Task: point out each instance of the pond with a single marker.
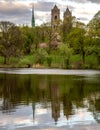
(46, 98)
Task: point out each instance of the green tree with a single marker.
(29, 38)
(94, 33)
(96, 48)
(78, 40)
(65, 53)
(94, 25)
(37, 37)
(40, 56)
(10, 40)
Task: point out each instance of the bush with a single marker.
(49, 60)
(40, 56)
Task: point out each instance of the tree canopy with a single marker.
(10, 40)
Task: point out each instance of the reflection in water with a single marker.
(73, 97)
(55, 101)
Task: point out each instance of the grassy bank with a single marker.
(56, 62)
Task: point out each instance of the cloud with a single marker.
(14, 12)
(95, 1)
(85, 1)
(13, 9)
(20, 11)
(83, 18)
(43, 6)
(78, 1)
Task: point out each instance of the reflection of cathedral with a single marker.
(55, 102)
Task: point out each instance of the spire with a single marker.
(33, 19)
(67, 12)
(55, 6)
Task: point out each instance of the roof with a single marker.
(55, 8)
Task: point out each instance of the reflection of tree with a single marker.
(77, 92)
(67, 106)
(94, 105)
(7, 94)
(14, 91)
(96, 112)
(97, 105)
(70, 90)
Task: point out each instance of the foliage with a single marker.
(96, 48)
(49, 60)
(10, 40)
(65, 53)
(78, 40)
(40, 56)
(94, 25)
(28, 36)
(94, 33)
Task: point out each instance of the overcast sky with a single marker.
(20, 11)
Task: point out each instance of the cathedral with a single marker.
(55, 17)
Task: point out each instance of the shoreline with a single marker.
(49, 71)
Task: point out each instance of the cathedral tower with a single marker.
(67, 13)
(55, 17)
(67, 23)
(67, 20)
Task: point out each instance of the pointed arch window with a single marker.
(56, 17)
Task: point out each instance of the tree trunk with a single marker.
(83, 57)
(5, 60)
(98, 59)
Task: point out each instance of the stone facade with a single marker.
(55, 17)
(67, 21)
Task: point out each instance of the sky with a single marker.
(20, 11)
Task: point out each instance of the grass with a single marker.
(57, 62)
(1, 60)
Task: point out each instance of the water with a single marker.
(48, 98)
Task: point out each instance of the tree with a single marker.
(65, 53)
(40, 56)
(29, 38)
(49, 35)
(10, 40)
(94, 33)
(96, 48)
(94, 25)
(78, 40)
(37, 38)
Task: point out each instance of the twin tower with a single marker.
(55, 17)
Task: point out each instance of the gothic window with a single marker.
(55, 17)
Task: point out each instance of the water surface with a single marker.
(61, 98)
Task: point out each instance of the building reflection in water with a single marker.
(55, 102)
(67, 106)
(33, 108)
(15, 89)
